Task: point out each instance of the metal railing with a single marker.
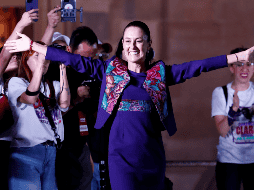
(189, 163)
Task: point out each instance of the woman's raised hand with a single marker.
(53, 17)
(21, 44)
(28, 17)
(42, 63)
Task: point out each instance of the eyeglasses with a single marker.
(239, 64)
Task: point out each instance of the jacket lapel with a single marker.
(117, 78)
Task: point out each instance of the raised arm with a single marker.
(92, 67)
(53, 20)
(35, 82)
(95, 68)
(26, 20)
(179, 73)
(65, 96)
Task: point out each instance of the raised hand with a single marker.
(53, 17)
(42, 63)
(41, 59)
(53, 20)
(27, 17)
(21, 44)
(62, 66)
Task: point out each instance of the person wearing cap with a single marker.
(60, 39)
(76, 171)
(85, 100)
(85, 96)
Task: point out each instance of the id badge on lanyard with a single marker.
(83, 128)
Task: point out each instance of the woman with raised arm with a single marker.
(8, 68)
(9, 62)
(232, 110)
(34, 139)
(134, 102)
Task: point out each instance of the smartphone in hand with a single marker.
(32, 4)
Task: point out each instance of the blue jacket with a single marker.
(114, 76)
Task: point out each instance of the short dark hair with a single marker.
(82, 34)
(237, 50)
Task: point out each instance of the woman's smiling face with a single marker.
(135, 45)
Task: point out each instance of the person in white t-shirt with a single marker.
(34, 139)
(234, 121)
(8, 68)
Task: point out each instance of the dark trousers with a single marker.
(230, 176)
(4, 164)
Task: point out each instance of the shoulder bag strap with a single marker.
(225, 90)
(49, 116)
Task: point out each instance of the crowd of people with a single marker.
(108, 113)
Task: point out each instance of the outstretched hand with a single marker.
(251, 54)
(21, 44)
(28, 17)
(246, 56)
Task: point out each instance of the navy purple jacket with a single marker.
(159, 77)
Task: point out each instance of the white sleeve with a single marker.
(218, 102)
(16, 87)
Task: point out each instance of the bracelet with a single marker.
(31, 45)
(28, 93)
(236, 57)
